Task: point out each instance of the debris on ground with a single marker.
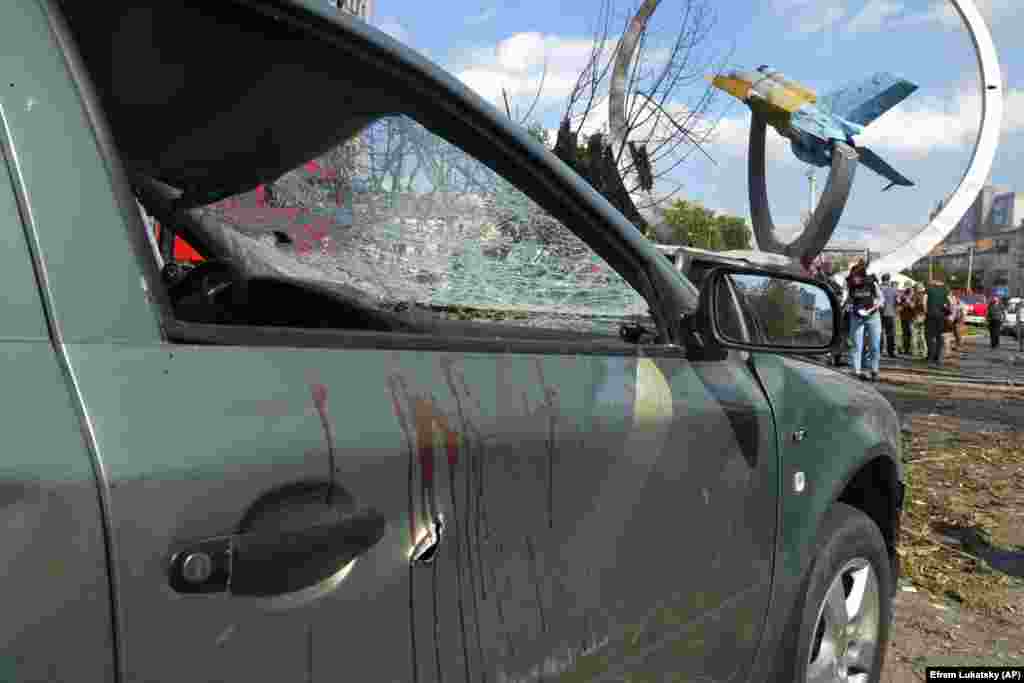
(961, 597)
(963, 523)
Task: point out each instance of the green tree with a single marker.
(692, 225)
(779, 308)
(958, 279)
(841, 264)
(924, 272)
(734, 232)
(695, 226)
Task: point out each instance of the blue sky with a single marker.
(821, 43)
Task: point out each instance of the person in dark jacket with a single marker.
(865, 299)
(936, 309)
(889, 295)
(905, 309)
(996, 316)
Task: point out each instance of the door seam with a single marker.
(13, 168)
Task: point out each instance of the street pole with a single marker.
(810, 203)
(970, 268)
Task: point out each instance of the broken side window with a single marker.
(416, 225)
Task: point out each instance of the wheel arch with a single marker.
(876, 488)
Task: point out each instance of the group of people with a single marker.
(871, 308)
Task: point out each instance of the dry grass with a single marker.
(969, 481)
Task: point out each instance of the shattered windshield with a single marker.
(411, 220)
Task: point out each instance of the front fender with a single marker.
(849, 445)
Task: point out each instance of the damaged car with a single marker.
(472, 427)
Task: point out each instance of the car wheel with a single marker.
(847, 606)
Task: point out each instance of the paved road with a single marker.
(976, 362)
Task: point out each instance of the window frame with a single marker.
(156, 201)
(539, 181)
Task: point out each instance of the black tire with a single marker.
(851, 550)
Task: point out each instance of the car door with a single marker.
(52, 556)
(286, 505)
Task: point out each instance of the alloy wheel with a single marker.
(848, 627)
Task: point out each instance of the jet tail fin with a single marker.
(879, 166)
(862, 103)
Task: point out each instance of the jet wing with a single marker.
(879, 166)
(863, 102)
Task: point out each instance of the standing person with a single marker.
(905, 308)
(889, 315)
(936, 310)
(1020, 326)
(956, 318)
(920, 308)
(996, 316)
(865, 298)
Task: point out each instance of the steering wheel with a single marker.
(205, 282)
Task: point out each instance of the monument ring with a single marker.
(921, 244)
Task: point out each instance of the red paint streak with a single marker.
(453, 448)
(320, 397)
(425, 439)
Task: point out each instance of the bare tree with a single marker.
(654, 115)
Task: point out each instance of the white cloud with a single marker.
(732, 135)
(520, 62)
(915, 128)
(874, 16)
(521, 52)
(943, 13)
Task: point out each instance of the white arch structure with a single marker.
(985, 146)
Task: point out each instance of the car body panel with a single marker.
(569, 478)
(1013, 310)
(56, 600)
(844, 421)
(841, 418)
(53, 142)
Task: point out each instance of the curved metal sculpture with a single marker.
(826, 215)
(981, 159)
(792, 109)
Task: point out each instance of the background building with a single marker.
(988, 242)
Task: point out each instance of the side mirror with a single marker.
(760, 310)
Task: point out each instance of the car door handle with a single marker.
(275, 562)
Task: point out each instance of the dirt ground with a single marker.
(961, 596)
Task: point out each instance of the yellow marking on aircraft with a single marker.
(738, 88)
(786, 99)
(782, 93)
(799, 90)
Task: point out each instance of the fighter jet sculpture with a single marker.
(811, 123)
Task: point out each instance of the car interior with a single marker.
(186, 135)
